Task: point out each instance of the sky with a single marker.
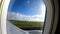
(28, 8)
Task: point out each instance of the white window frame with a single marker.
(50, 17)
(3, 15)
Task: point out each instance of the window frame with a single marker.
(50, 19)
(3, 14)
(53, 9)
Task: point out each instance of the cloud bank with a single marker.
(21, 17)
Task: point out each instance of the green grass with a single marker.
(26, 24)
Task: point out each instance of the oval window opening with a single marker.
(27, 16)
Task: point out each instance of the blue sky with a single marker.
(26, 7)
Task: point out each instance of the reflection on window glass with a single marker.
(26, 15)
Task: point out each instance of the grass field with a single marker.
(26, 24)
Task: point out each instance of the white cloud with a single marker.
(18, 16)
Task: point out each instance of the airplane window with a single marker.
(26, 16)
